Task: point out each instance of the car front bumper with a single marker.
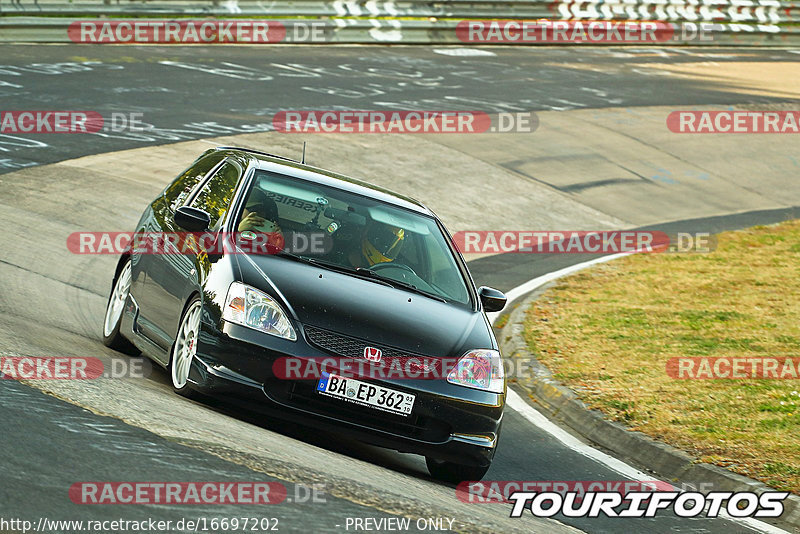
(448, 422)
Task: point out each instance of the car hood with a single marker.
(368, 310)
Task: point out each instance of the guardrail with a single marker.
(735, 11)
(414, 21)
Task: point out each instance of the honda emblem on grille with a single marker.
(372, 354)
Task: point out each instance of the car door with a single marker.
(154, 223)
(174, 274)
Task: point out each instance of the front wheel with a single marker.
(185, 348)
(452, 472)
(116, 305)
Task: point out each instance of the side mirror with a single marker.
(492, 299)
(192, 219)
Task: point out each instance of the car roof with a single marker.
(294, 168)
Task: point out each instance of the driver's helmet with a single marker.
(262, 205)
(382, 243)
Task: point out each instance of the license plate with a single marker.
(365, 394)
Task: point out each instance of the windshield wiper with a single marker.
(335, 267)
(397, 283)
(361, 272)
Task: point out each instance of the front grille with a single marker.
(351, 347)
(302, 393)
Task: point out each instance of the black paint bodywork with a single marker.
(233, 362)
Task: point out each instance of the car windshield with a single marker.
(353, 233)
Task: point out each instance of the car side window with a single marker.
(178, 192)
(215, 196)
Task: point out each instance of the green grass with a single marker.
(609, 331)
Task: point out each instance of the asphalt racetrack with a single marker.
(52, 302)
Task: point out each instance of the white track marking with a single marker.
(463, 52)
(540, 421)
(530, 285)
(535, 417)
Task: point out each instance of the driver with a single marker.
(380, 243)
(260, 214)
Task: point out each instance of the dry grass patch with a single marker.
(609, 331)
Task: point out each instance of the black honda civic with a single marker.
(315, 297)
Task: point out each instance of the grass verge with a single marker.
(608, 333)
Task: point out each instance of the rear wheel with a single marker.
(452, 472)
(185, 348)
(116, 305)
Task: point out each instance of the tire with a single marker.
(115, 307)
(185, 348)
(452, 472)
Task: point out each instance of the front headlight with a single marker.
(479, 369)
(250, 307)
